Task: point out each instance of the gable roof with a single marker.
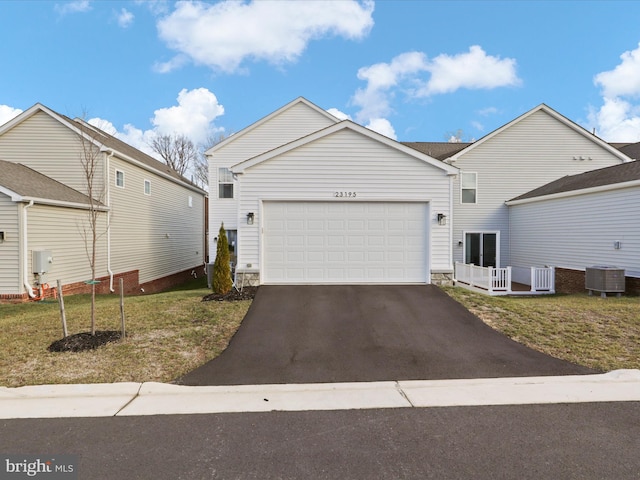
(22, 183)
(616, 176)
(439, 150)
(560, 118)
(105, 142)
(343, 125)
(244, 131)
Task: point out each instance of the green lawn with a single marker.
(592, 331)
(168, 334)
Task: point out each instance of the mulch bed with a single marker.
(84, 341)
(247, 293)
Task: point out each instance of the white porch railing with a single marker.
(498, 281)
(543, 279)
(489, 278)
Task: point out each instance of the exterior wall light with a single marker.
(250, 216)
(442, 219)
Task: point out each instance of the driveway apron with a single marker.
(364, 333)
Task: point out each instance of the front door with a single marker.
(481, 249)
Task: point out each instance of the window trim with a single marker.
(220, 182)
(147, 183)
(475, 188)
(116, 178)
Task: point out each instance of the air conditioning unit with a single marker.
(605, 280)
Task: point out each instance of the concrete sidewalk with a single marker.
(133, 399)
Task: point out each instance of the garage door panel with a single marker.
(345, 242)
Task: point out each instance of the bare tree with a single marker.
(90, 162)
(201, 164)
(177, 151)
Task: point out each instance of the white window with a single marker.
(468, 187)
(190, 201)
(119, 178)
(147, 187)
(225, 183)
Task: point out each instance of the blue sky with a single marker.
(413, 70)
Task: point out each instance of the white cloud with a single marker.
(485, 112)
(7, 113)
(125, 18)
(618, 119)
(472, 70)
(76, 6)
(339, 114)
(374, 99)
(416, 77)
(193, 117)
(383, 126)
(224, 35)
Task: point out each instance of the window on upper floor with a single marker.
(468, 187)
(147, 187)
(119, 178)
(225, 183)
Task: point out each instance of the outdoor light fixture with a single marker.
(442, 219)
(250, 216)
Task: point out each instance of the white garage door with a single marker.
(345, 242)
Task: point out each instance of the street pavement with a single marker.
(589, 441)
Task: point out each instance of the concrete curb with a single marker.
(133, 399)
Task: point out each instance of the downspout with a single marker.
(108, 180)
(25, 246)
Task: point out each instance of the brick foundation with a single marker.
(572, 281)
(131, 285)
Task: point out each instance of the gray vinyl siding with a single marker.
(345, 161)
(298, 121)
(527, 155)
(10, 248)
(67, 234)
(579, 231)
(157, 234)
(44, 144)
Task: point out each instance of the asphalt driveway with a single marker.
(363, 333)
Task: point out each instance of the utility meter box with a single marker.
(42, 260)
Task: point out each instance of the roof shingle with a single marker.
(31, 184)
(626, 172)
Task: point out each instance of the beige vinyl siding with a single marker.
(10, 248)
(579, 231)
(67, 234)
(289, 125)
(44, 144)
(527, 155)
(157, 234)
(345, 161)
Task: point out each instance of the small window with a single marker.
(190, 201)
(468, 187)
(225, 183)
(119, 178)
(147, 187)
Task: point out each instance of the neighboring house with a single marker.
(317, 200)
(532, 150)
(291, 185)
(581, 221)
(151, 220)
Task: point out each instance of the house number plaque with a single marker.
(344, 194)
